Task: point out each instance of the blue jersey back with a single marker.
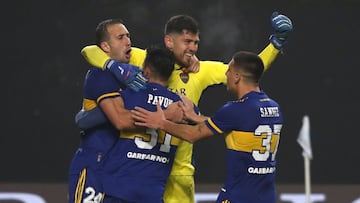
(99, 85)
(252, 128)
(142, 157)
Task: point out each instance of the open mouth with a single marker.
(128, 53)
(188, 54)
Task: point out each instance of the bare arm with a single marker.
(174, 112)
(188, 108)
(157, 120)
(117, 114)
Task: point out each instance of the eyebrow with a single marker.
(123, 34)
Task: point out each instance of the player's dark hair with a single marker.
(101, 32)
(250, 64)
(179, 23)
(161, 62)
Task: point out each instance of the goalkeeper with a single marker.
(182, 38)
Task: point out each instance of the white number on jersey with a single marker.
(266, 142)
(165, 147)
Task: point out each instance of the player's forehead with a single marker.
(185, 34)
(117, 29)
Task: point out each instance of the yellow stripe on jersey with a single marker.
(89, 104)
(248, 141)
(212, 124)
(80, 187)
(146, 137)
(112, 94)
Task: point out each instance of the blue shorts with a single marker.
(88, 187)
(83, 181)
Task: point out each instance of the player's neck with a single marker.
(246, 89)
(157, 81)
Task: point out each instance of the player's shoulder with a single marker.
(264, 98)
(213, 67)
(137, 56)
(209, 64)
(96, 77)
(164, 91)
(175, 96)
(97, 72)
(240, 106)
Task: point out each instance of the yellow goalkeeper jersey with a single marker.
(191, 85)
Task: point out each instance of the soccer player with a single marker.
(102, 89)
(137, 167)
(182, 38)
(251, 126)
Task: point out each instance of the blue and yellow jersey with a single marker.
(98, 85)
(96, 142)
(192, 85)
(141, 160)
(252, 128)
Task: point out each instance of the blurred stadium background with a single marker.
(316, 75)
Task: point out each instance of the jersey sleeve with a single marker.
(224, 119)
(99, 85)
(95, 56)
(268, 55)
(212, 73)
(89, 119)
(137, 56)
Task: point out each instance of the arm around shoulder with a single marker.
(117, 114)
(95, 56)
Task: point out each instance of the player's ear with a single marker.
(237, 77)
(146, 72)
(105, 46)
(168, 40)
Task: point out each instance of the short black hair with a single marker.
(101, 31)
(250, 64)
(179, 23)
(160, 60)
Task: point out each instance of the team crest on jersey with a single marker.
(184, 77)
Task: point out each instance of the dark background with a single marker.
(317, 76)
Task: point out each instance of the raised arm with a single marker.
(282, 26)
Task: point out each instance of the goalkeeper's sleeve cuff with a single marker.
(277, 42)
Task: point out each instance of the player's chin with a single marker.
(186, 62)
(126, 60)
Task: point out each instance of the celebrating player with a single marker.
(251, 126)
(182, 38)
